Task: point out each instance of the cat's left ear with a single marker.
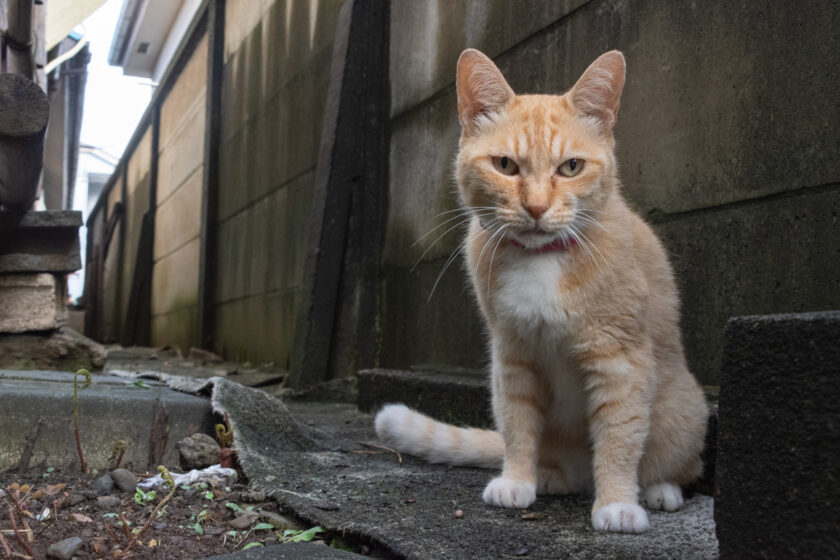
(598, 92)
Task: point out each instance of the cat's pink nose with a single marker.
(536, 210)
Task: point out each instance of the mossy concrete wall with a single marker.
(727, 144)
(276, 73)
(175, 274)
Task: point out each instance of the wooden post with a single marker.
(24, 113)
(19, 38)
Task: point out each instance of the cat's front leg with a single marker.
(619, 419)
(520, 407)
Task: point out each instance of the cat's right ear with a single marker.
(481, 88)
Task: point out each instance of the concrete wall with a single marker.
(726, 139)
(276, 72)
(178, 220)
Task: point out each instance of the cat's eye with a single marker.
(505, 165)
(571, 167)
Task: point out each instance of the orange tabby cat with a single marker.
(589, 379)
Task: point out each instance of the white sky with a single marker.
(113, 103)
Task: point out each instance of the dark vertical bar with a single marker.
(337, 318)
(210, 186)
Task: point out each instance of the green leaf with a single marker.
(263, 527)
(139, 384)
(50, 469)
(234, 507)
(202, 486)
(308, 535)
(198, 528)
(109, 515)
(209, 495)
(252, 545)
(184, 487)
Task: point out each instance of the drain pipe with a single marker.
(19, 37)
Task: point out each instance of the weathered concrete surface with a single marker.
(32, 302)
(290, 551)
(109, 410)
(774, 255)
(62, 350)
(276, 73)
(777, 490)
(408, 507)
(45, 241)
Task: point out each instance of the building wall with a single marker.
(726, 143)
(112, 312)
(178, 220)
(276, 73)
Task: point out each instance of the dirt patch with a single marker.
(197, 521)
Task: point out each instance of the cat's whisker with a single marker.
(586, 244)
(441, 236)
(452, 256)
(486, 244)
(464, 214)
(585, 214)
(490, 268)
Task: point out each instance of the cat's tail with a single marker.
(411, 432)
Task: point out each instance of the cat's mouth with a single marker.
(540, 241)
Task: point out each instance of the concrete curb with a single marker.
(150, 417)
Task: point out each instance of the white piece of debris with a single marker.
(213, 475)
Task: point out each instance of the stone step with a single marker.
(40, 241)
(779, 437)
(110, 409)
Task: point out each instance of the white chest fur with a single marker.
(527, 295)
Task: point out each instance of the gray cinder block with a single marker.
(777, 477)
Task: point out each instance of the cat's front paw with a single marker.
(621, 517)
(506, 492)
(664, 495)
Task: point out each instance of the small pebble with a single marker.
(103, 485)
(34, 505)
(214, 530)
(253, 497)
(244, 520)
(531, 516)
(459, 514)
(161, 525)
(124, 480)
(522, 551)
(64, 550)
(198, 451)
(107, 502)
(75, 499)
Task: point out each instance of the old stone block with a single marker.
(778, 255)
(62, 350)
(32, 302)
(456, 398)
(778, 436)
(46, 241)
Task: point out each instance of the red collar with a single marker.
(558, 244)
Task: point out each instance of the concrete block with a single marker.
(62, 350)
(46, 241)
(182, 156)
(32, 302)
(779, 254)
(457, 398)
(178, 218)
(258, 329)
(178, 328)
(175, 279)
(422, 186)
(185, 96)
(778, 434)
(428, 37)
(444, 329)
(112, 408)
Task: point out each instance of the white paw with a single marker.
(664, 495)
(621, 517)
(506, 492)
